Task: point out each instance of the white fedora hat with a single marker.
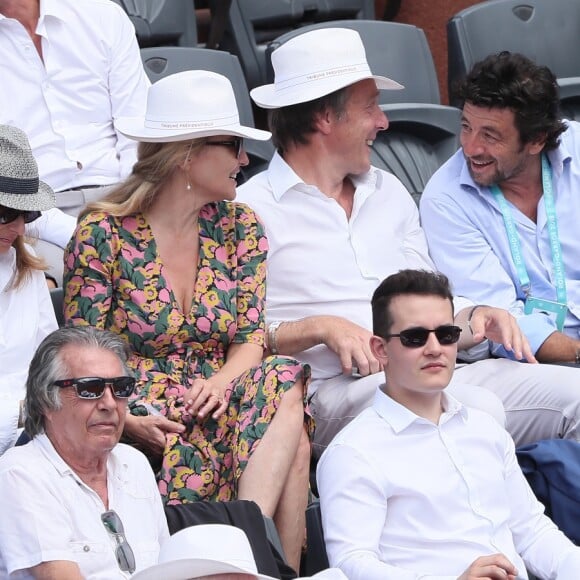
(315, 64)
(201, 551)
(186, 105)
(20, 187)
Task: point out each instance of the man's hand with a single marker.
(501, 327)
(494, 567)
(351, 343)
(149, 432)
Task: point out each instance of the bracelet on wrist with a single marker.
(271, 342)
(577, 358)
(470, 316)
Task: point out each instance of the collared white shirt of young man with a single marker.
(436, 484)
(56, 491)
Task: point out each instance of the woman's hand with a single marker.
(204, 397)
(150, 432)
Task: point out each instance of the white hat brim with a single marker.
(134, 128)
(268, 97)
(191, 568)
(42, 200)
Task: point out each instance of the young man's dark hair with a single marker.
(512, 81)
(421, 282)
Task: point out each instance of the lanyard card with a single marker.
(555, 310)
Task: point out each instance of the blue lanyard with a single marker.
(552, 222)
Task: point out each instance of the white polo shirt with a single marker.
(49, 514)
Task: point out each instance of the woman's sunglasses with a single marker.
(94, 387)
(418, 337)
(236, 143)
(8, 215)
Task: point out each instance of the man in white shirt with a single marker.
(419, 486)
(69, 69)
(75, 503)
(338, 226)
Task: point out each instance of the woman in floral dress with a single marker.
(170, 263)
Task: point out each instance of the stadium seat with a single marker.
(161, 61)
(252, 24)
(162, 22)
(548, 32)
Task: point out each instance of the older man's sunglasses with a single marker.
(236, 143)
(123, 551)
(417, 337)
(9, 215)
(94, 387)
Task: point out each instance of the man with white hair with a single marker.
(337, 226)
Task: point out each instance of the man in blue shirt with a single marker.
(501, 216)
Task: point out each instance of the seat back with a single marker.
(420, 138)
(252, 24)
(315, 559)
(160, 61)
(397, 51)
(546, 31)
(57, 297)
(162, 22)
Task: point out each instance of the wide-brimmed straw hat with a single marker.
(186, 105)
(201, 551)
(315, 64)
(20, 187)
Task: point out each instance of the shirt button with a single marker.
(79, 165)
(87, 548)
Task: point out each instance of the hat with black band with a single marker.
(20, 186)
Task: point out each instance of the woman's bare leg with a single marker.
(276, 476)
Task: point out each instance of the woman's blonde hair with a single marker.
(155, 163)
(25, 264)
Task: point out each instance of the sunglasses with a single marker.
(418, 337)
(123, 552)
(9, 215)
(94, 387)
(236, 143)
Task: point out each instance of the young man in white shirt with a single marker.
(419, 486)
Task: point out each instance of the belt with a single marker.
(80, 187)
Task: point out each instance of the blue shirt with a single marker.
(468, 240)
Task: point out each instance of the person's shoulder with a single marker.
(90, 8)
(256, 191)
(25, 459)
(361, 433)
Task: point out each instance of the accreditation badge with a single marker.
(555, 310)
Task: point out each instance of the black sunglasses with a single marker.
(418, 337)
(94, 387)
(123, 551)
(236, 143)
(8, 215)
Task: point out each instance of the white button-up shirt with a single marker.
(469, 243)
(49, 514)
(26, 318)
(320, 262)
(405, 499)
(90, 73)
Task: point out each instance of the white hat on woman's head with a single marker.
(201, 551)
(20, 187)
(187, 105)
(315, 64)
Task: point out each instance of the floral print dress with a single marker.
(114, 279)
